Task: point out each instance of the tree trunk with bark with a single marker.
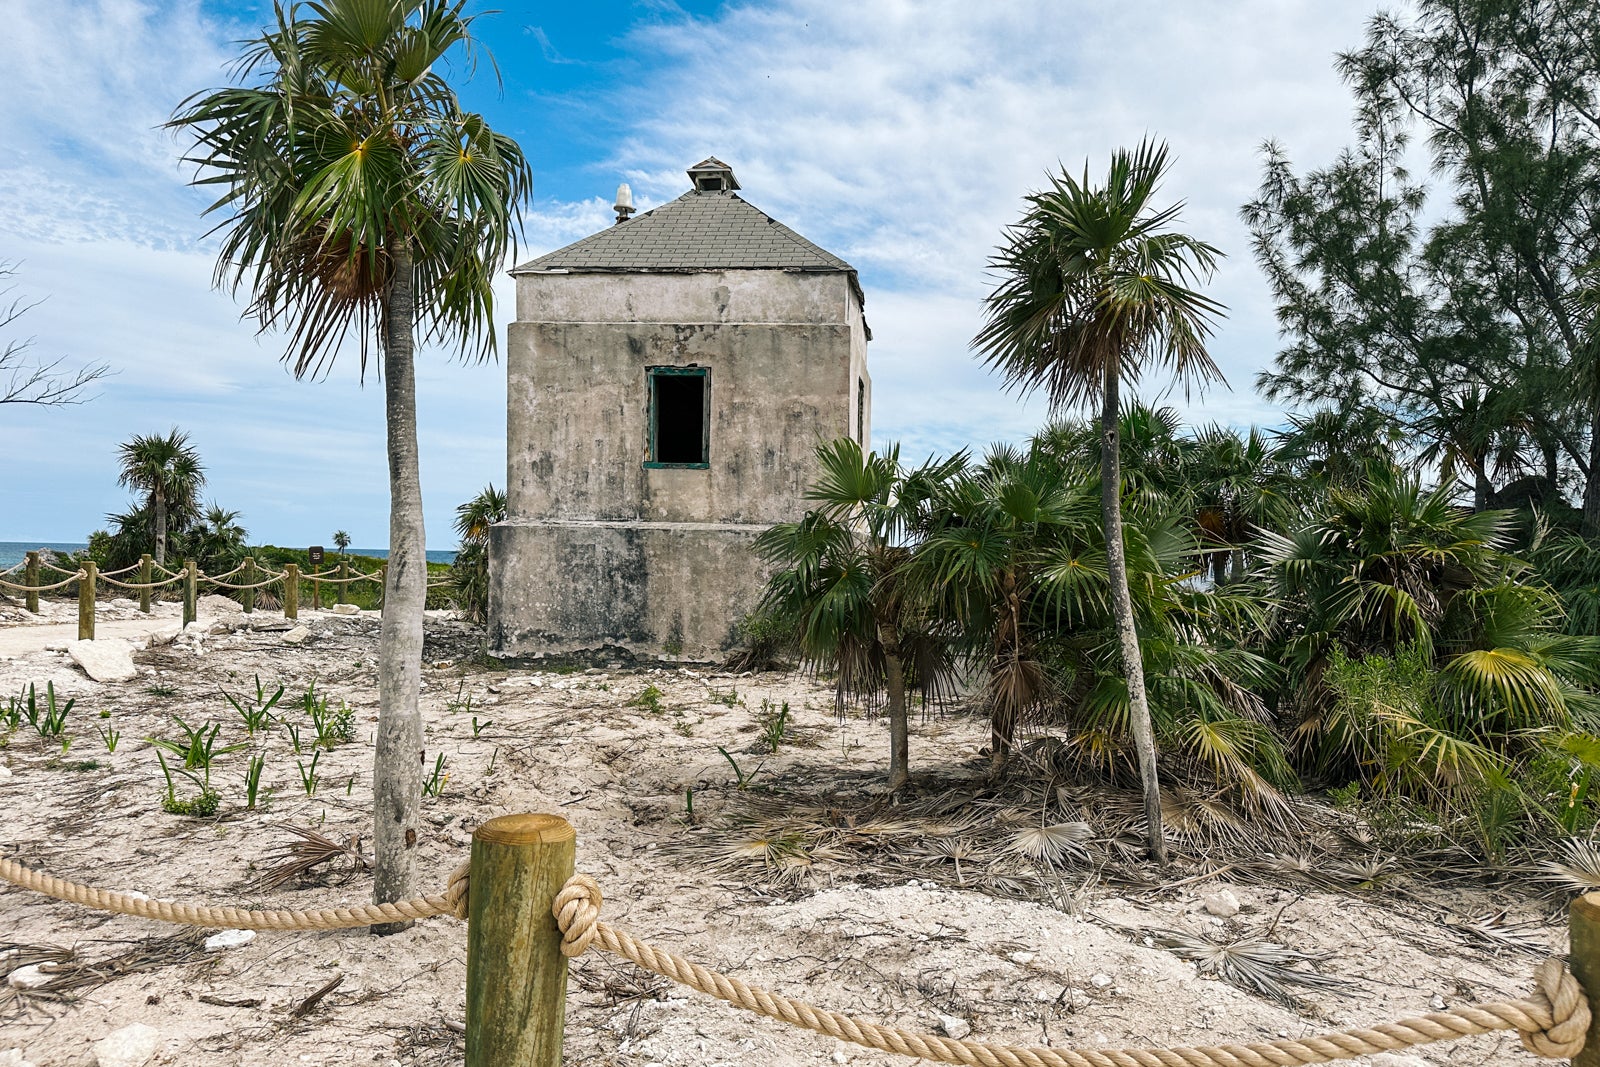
(1591, 487)
(161, 524)
(397, 765)
(899, 729)
(1122, 613)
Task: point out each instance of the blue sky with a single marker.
(899, 134)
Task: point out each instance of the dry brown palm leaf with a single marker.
(293, 859)
(1053, 844)
(1495, 931)
(1574, 869)
(1262, 967)
(1369, 872)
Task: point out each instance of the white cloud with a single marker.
(903, 136)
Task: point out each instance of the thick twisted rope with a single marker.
(59, 570)
(1553, 1022)
(141, 585)
(45, 588)
(274, 580)
(453, 901)
(14, 568)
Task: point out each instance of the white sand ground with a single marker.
(898, 950)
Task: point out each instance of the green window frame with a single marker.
(671, 393)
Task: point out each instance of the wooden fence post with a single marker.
(145, 575)
(31, 579)
(383, 581)
(86, 602)
(1584, 958)
(516, 974)
(344, 580)
(191, 591)
(247, 598)
(291, 591)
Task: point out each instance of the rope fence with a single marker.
(522, 866)
(88, 576)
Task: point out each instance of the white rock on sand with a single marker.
(29, 977)
(13, 1058)
(106, 660)
(295, 636)
(229, 939)
(131, 1046)
(1221, 903)
(345, 609)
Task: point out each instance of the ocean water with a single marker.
(16, 551)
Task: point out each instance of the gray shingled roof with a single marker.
(698, 231)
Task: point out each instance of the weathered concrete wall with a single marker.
(600, 550)
(654, 589)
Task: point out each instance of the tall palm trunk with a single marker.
(1591, 488)
(899, 730)
(161, 523)
(1122, 612)
(397, 766)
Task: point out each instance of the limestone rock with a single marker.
(29, 977)
(345, 609)
(295, 636)
(1221, 903)
(1100, 981)
(131, 1046)
(5, 772)
(108, 660)
(13, 1058)
(221, 626)
(164, 636)
(217, 604)
(229, 939)
(954, 1027)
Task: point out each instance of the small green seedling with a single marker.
(294, 736)
(199, 744)
(649, 699)
(50, 719)
(462, 701)
(774, 723)
(202, 805)
(308, 775)
(253, 795)
(478, 728)
(434, 786)
(110, 737)
(257, 712)
(334, 727)
(740, 778)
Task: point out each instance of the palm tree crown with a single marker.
(168, 469)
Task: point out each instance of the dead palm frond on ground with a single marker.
(1257, 966)
(308, 851)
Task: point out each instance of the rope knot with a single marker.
(577, 912)
(457, 888)
(1568, 1011)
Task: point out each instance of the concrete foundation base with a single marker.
(655, 590)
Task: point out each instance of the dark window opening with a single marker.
(679, 416)
(861, 412)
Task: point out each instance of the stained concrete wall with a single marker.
(600, 550)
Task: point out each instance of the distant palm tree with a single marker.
(1095, 289)
(341, 541)
(469, 574)
(167, 469)
(360, 199)
(220, 537)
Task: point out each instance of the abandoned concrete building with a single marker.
(668, 380)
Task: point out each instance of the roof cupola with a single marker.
(712, 175)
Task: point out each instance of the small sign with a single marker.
(314, 555)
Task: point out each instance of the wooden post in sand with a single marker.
(1584, 922)
(291, 590)
(516, 974)
(191, 591)
(86, 601)
(247, 598)
(344, 580)
(31, 580)
(146, 573)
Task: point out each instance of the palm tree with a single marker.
(1095, 289)
(168, 470)
(361, 200)
(341, 541)
(841, 582)
(220, 537)
(470, 571)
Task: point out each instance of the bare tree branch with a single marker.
(27, 381)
